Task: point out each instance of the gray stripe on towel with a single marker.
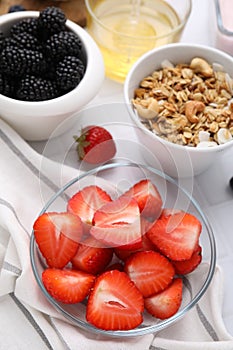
(207, 324)
(31, 320)
(12, 268)
(208, 327)
(59, 334)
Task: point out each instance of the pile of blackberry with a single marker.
(40, 59)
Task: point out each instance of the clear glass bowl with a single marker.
(126, 29)
(224, 33)
(116, 178)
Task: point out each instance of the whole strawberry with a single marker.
(95, 145)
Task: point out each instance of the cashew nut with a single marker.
(191, 108)
(150, 112)
(203, 136)
(223, 135)
(154, 106)
(201, 66)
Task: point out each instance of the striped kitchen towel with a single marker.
(27, 181)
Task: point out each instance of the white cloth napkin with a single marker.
(27, 180)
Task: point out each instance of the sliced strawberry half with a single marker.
(117, 223)
(91, 256)
(165, 304)
(67, 286)
(147, 197)
(176, 235)
(58, 236)
(150, 271)
(115, 303)
(85, 202)
(187, 266)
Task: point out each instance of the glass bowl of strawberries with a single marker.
(122, 250)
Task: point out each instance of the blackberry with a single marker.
(18, 62)
(61, 44)
(50, 69)
(32, 88)
(69, 72)
(50, 21)
(16, 8)
(23, 40)
(6, 85)
(28, 25)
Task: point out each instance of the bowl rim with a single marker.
(220, 23)
(135, 118)
(155, 37)
(137, 331)
(93, 55)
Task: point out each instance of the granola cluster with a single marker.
(187, 104)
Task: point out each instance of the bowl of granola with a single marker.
(179, 97)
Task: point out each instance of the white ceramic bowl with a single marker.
(38, 120)
(175, 160)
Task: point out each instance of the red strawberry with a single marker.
(166, 303)
(85, 202)
(186, 266)
(91, 256)
(68, 286)
(150, 271)
(117, 223)
(148, 198)
(115, 303)
(176, 235)
(58, 236)
(95, 145)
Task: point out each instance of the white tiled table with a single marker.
(211, 188)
